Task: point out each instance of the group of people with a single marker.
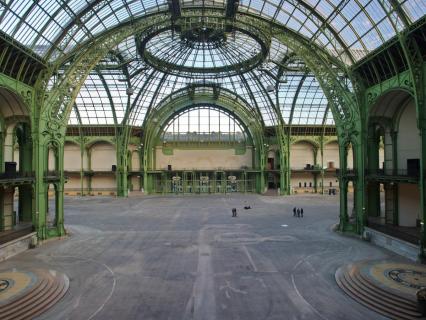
(298, 212)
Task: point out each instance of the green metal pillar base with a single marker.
(343, 186)
(42, 232)
(315, 183)
(25, 207)
(423, 188)
(122, 193)
(373, 199)
(60, 208)
(122, 187)
(1, 209)
(373, 187)
(147, 183)
(284, 183)
(25, 203)
(58, 231)
(345, 226)
(260, 182)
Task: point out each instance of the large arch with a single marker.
(180, 101)
(394, 197)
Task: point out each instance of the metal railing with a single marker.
(52, 173)
(89, 189)
(382, 173)
(347, 172)
(306, 168)
(393, 173)
(199, 186)
(16, 175)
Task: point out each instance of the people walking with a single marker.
(301, 212)
(294, 211)
(298, 212)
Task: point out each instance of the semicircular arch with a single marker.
(389, 106)
(175, 104)
(13, 107)
(98, 140)
(158, 118)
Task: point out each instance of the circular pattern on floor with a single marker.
(4, 284)
(26, 294)
(403, 278)
(15, 283)
(409, 278)
(388, 287)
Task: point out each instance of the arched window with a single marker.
(204, 124)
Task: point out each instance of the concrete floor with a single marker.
(156, 258)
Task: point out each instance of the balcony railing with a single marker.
(17, 175)
(383, 174)
(347, 172)
(51, 173)
(413, 174)
(306, 168)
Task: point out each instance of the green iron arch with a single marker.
(178, 102)
(408, 95)
(245, 128)
(59, 102)
(311, 142)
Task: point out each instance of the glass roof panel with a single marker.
(329, 118)
(41, 25)
(287, 95)
(199, 3)
(73, 118)
(310, 105)
(415, 9)
(97, 104)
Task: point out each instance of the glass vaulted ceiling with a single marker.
(104, 98)
(349, 29)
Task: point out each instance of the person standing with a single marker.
(301, 212)
(294, 211)
(234, 212)
(298, 212)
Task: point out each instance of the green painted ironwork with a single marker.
(51, 99)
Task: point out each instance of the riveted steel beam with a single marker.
(231, 8)
(174, 8)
